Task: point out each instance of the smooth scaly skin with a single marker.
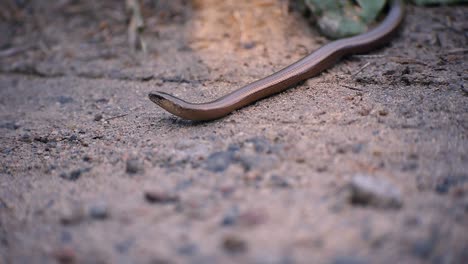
(305, 68)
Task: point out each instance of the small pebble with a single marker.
(278, 181)
(41, 139)
(230, 217)
(98, 117)
(11, 125)
(26, 138)
(124, 246)
(423, 248)
(161, 197)
(366, 190)
(74, 174)
(348, 260)
(252, 218)
(249, 45)
(99, 211)
(261, 145)
(87, 158)
(66, 237)
(160, 260)
(72, 215)
(188, 249)
(134, 166)
(234, 244)
(65, 255)
(219, 161)
(64, 99)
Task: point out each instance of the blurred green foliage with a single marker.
(344, 18)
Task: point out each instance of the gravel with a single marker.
(371, 191)
(134, 166)
(161, 197)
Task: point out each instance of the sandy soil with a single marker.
(366, 163)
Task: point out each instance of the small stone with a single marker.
(261, 145)
(99, 211)
(252, 218)
(65, 255)
(423, 248)
(219, 161)
(11, 125)
(72, 215)
(249, 45)
(74, 174)
(41, 139)
(383, 112)
(64, 99)
(98, 117)
(26, 138)
(278, 181)
(124, 246)
(134, 166)
(348, 260)
(72, 137)
(227, 190)
(366, 190)
(230, 217)
(66, 237)
(7, 31)
(234, 244)
(160, 260)
(188, 249)
(464, 88)
(444, 185)
(161, 197)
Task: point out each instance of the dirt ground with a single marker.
(366, 163)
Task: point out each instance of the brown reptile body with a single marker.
(303, 69)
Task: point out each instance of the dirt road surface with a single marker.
(366, 163)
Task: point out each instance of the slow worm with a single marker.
(303, 69)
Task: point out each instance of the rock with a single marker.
(87, 158)
(219, 161)
(348, 260)
(369, 191)
(261, 145)
(64, 99)
(124, 246)
(72, 215)
(234, 244)
(160, 197)
(278, 181)
(249, 45)
(160, 260)
(423, 248)
(65, 255)
(445, 184)
(42, 139)
(98, 117)
(188, 249)
(252, 218)
(134, 166)
(99, 211)
(11, 125)
(26, 138)
(66, 237)
(74, 174)
(227, 190)
(73, 137)
(7, 32)
(230, 217)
